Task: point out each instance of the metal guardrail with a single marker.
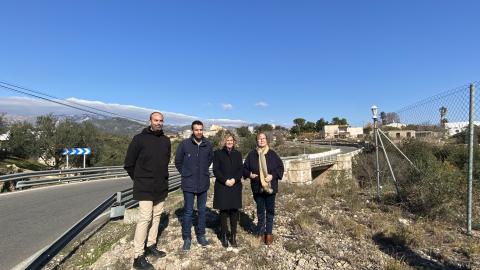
(38, 178)
(27, 175)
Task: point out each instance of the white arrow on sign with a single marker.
(77, 151)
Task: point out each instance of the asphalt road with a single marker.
(33, 219)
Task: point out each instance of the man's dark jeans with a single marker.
(188, 199)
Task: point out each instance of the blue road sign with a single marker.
(76, 151)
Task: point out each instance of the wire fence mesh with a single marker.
(424, 156)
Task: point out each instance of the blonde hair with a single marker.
(227, 135)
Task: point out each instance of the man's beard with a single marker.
(197, 139)
(156, 128)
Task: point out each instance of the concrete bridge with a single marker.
(319, 167)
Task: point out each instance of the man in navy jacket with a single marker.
(193, 159)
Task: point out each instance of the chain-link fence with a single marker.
(425, 159)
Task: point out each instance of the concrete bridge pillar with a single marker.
(341, 168)
(299, 172)
(343, 164)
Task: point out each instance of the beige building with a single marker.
(340, 132)
(400, 134)
(214, 129)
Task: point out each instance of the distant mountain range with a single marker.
(113, 125)
(27, 109)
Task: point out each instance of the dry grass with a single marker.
(396, 265)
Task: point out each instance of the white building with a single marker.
(454, 128)
(395, 125)
(186, 133)
(4, 137)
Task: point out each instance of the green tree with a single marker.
(383, 118)
(22, 141)
(89, 138)
(67, 135)
(388, 118)
(320, 124)
(46, 143)
(309, 127)
(243, 131)
(3, 124)
(263, 128)
(111, 150)
(299, 124)
(339, 121)
(246, 144)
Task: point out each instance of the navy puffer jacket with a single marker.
(193, 161)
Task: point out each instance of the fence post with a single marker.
(375, 133)
(471, 128)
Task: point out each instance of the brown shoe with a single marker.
(268, 239)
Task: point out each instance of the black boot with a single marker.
(224, 240)
(233, 240)
(152, 250)
(141, 263)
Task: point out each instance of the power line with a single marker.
(69, 101)
(59, 101)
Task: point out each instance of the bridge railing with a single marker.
(323, 160)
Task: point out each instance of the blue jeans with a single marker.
(188, 200)
(265, 209)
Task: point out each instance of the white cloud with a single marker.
(30, 107)
(261, 104)
(227, 106)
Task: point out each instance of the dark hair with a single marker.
(155, 113)
(196, 122)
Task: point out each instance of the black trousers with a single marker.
(233, 215)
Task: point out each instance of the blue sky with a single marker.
(306, 59)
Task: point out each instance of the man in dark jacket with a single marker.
(146, 162)
(193, 159)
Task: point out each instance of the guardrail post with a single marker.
(119, 197)
(117, 210)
